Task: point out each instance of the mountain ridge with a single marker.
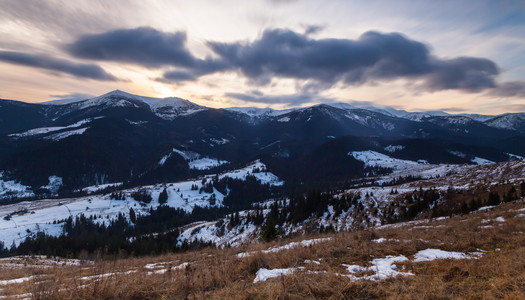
(175, 102)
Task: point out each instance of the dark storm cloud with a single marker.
(464, 73)
(60, 65)
(373, 56)
(144, 46)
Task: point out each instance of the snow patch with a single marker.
(66, 134)
(137, 123)
(457, 153)
(514, 156)
(304, 243)
(433, 254)
(481, 161)
(44, 130)
(394, 148)
(379, 240)
(284, 119)
(95, 188)
(381, 267)
(264, 274)
(11, 188)
(206, 163)
(54, 184)
(486, 207)
(16, 280)
(220, 141)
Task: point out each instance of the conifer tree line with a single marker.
(157, 231)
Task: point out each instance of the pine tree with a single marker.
(511, 195)
(163, 196)
(212, 199)
(493, 199)
(465, 208)
(132, 215)
(269, 232)
(237, 218)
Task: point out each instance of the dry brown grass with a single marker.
(219, 274)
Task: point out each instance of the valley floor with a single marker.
(480, 255)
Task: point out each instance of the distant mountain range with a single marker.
(120, 137)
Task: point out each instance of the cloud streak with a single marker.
(41, 61)
(509, 89)
(291, 100)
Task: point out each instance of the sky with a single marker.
(457, 56)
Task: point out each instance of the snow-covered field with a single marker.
(17, 221)
(403, 168)
(376, 159)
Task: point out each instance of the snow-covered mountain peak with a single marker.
(166, 108)
(114, 98)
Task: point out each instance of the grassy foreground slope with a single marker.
(380, 262)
